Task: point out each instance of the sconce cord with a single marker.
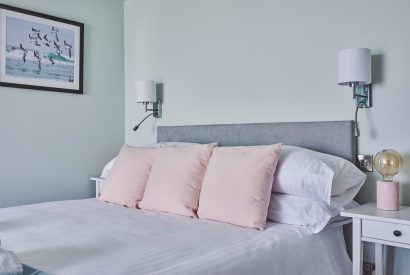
(356, 126)
(138, 125)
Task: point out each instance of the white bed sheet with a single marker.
(92, 237)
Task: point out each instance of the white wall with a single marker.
(236, 61)
(51, 143)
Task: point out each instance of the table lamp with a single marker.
(388, 163)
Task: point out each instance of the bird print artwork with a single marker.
(38, 39)
(40, 51)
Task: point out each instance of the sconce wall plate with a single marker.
(157, 109)
(363, 96)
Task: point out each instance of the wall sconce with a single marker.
(146, 93)
(354, 70)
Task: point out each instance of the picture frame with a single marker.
(40, 51)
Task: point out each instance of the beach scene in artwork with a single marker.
(39, 51)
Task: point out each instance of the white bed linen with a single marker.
(92, 237)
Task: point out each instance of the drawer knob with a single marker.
(397, 233)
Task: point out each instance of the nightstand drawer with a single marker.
(386, 231)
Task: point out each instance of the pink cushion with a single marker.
(176, 178)
(237, 185)
(126, 182)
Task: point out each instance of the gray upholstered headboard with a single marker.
(331, 137)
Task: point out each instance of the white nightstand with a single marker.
(99, 184)
(379, 227)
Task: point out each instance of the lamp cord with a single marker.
(356, 126)
(138, 125)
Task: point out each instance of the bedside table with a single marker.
(379, 227)
(99, 184)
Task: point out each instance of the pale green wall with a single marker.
(51, 143)
(236, 61)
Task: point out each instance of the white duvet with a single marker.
(92, 237)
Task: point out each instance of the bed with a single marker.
(92, 237)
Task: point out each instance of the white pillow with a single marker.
(302, 211)
(317, 176)
(107, 168)
(339, 220)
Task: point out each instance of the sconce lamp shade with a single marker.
(354, 67)
(145, 91)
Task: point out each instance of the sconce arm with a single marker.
(138, 125)
(356, 125)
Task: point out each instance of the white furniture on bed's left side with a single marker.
(99, 184)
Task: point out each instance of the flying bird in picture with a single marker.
(37, 56)
(22, 48)
(68, 46)
(11, 49)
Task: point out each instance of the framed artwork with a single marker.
(40, 52)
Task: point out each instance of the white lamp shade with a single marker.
(354, 66)
(145, 91)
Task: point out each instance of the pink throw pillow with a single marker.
(237, 185)
(126, 182)
(176, 179)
